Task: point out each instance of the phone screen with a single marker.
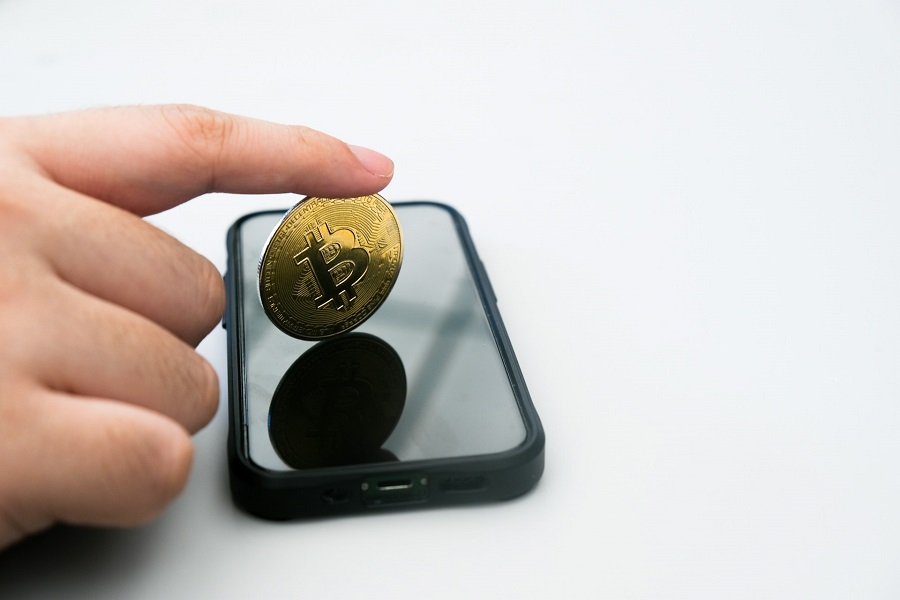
(421, 379)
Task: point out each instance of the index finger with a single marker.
(147, 159)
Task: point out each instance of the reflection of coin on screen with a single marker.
(329, 264)
(338, 403)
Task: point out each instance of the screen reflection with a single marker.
(338, 403)
(458, 397)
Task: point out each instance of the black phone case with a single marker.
(356, 488)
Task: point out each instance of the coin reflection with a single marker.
(338, 403)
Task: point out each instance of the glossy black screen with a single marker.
(421, 379)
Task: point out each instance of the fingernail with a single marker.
(375, 163)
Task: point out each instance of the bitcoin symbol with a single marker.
(329, 264)
(337, 262)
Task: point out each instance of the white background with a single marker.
(690, 216)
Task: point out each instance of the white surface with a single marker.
(689, 214)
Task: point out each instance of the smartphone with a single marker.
(423, 404)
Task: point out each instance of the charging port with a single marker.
(394, 484)
(395, 490)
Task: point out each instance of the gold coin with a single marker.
(329, 264)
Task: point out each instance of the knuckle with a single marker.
(202, 130)
(203, 297)
(189, 389)
(207, 398)
(164, 462)
(197, 394)
(199, 302)
(210, 299)
(19, 208)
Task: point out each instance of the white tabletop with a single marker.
(689, 212)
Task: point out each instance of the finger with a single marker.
(110, 352)
(117, 256)
(147, 159)
(93, 461)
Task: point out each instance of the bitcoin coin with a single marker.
(329, 264)
(338, 403)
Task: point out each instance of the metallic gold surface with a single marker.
(329, 264)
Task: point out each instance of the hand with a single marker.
(100, 386)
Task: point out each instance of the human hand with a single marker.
(100, 386)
